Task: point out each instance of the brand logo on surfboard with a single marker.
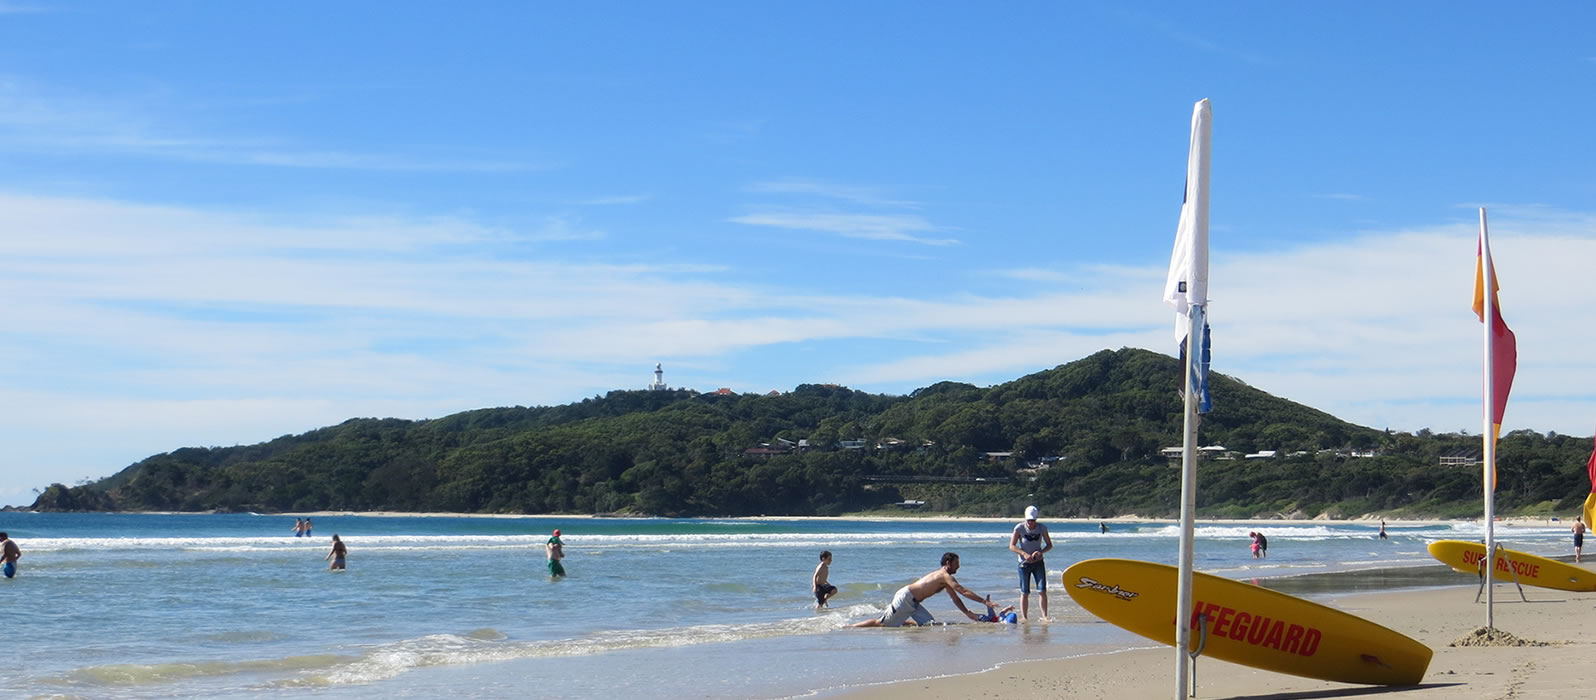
(1113, 590)
(1257, 630)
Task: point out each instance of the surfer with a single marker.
(555, 549)
(9, 553)
(906, 608)
(337, 555)
(1030, 540)
(1578, 528)
(822, 587)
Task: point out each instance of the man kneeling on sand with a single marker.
(905, 608)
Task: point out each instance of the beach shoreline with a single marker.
(1437, 616)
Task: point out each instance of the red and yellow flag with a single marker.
(1504, 347)
(1590, 501)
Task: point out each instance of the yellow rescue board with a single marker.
(1532, 570)
(1248, 625)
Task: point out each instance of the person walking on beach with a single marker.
(299, 527)
(555, 549)
(1578, 528)
(337, 555)
(1031, 540)
(906, 608)
(822, 587)
(9, 554)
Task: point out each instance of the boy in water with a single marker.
(823, 589)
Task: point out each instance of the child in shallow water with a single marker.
(994, 615)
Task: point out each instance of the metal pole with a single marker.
(1489, 437)
(1188, 507)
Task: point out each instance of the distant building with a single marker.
(659, 379)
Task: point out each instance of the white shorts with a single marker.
(904, 607)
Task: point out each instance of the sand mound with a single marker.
(1491, 637)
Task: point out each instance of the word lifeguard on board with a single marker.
(1522, 568)
(1257, 630)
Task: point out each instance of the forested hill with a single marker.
(1084, 437)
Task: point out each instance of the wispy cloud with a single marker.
(36, 120)
(870, 196)
(615, 200)
(876, 227)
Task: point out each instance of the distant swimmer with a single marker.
(9, 553)
(299, 527)
(1382, 530)
(906, 608)
(337, 555)
(1103, 528)
(307, 527)
(822, 588)
(555, 549)
(1031, 540)
(1260, 546)
(1578, 528)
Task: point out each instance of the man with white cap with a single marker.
(1030, 540)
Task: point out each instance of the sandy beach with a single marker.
(1436, 617)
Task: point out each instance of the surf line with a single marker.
(1522, 568)
(1257, 630)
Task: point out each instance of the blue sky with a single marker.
(221, 223)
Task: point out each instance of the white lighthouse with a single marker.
(659, 379)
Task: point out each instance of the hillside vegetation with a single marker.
(1084, 437)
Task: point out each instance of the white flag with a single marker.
(1187, 285)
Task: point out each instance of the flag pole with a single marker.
(1186, 290)
(1489, 434)
(1188, 508)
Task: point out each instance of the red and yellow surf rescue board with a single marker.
(1248, 625)
(1531, 570)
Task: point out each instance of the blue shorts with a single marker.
(1036, 571)
(10, 569)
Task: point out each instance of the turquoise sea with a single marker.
(139, 606)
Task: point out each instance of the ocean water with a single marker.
(144, 605)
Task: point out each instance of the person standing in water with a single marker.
(307, 527)
(9, 554)
(299, 527)
(337, 555)
(1031, 540)
(555, 549)
(1578, 528)
(822, 586)
(1382, 530)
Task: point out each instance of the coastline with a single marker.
(1436, 616)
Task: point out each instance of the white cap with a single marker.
(1030, 513)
